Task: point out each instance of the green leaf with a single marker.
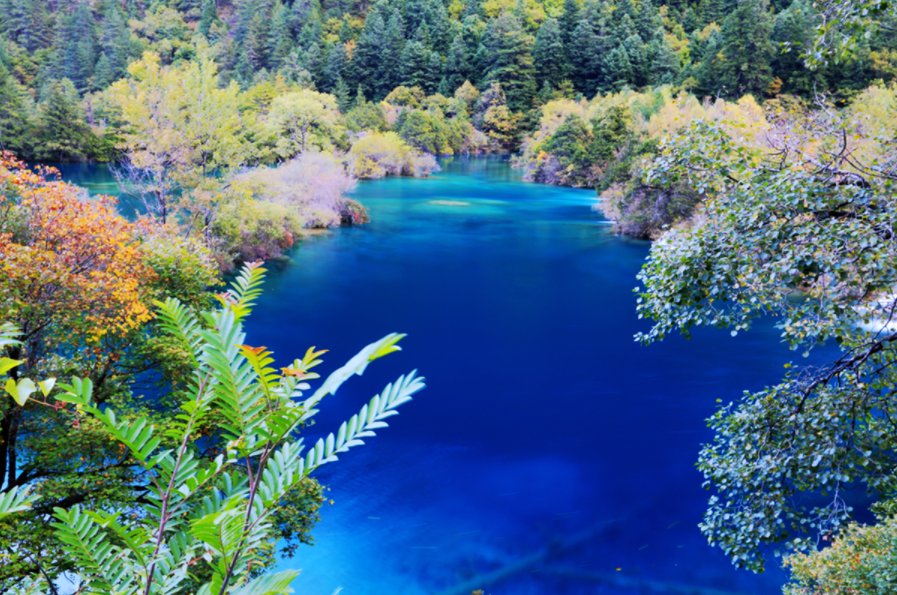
(16, 500)
(7, 364)
(269, 584)
(46, 386)
(22, 391)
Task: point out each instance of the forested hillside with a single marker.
(58, 56)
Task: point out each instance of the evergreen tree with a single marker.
(115, 41)
(791, 32)
(334, 67)
(62, 133)
(713, 11)
(738, 61)
(585, 62)
(549, 56)
(393, 45)
(568, 21)
(457, 66)
(75, 55)
(14, 117)
(618, 68)
(280, 40)
(663, 62)
(368, 53)
(256, 43)
(190, 8)
(413, 63)
(341, 92)
(208, 16)
(360, 100)
(637, 53)
(506, 58)
(25, 22)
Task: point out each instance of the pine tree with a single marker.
(414, 64)
(115, 41)
(341, 92)
(25, 22)
(569, 20)
(62, 134)
(713, 11)
(584, 60)
(742, 61)
(549, 56)
(208, 17)
(457, 66)
(256, 42)
(360, 100)
(506, 58)
(334, 67)
(15, 129)
(618, 67)
(663, 62)
(368, 51)
(792, 31)
(190, 8)
(280, 40)
(76, 55)
(393, 45)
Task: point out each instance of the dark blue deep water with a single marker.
(549, 453)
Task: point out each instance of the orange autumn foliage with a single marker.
(68, 264)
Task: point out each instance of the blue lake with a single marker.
(549, 453)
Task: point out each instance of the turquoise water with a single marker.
(549, 453)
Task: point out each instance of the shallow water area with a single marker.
(549, 453)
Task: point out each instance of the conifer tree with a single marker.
(549, 55)
(208, 17)
(369, 50)
(115, 44)
(457, 66)
(62, 133)
(585, 62)
(792, 32)
(341, 92)
(414, 63)
(393, 45)
(506, 58)
(333, 66)
(568, 21)
(280, 39)
(14, 117)
(25, 22)
(75, 55)
(738, 61)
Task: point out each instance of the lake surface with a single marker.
(549, 453)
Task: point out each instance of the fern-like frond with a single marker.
(244, 290)
(177, 320)
(9, 335)
(15, 500)
(269, 584)
(354, 367)
(102, 565)
(362, 424)
(236, 384)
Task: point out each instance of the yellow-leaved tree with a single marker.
(179, 126)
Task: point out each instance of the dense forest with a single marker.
(57, 59)
(753, 140)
